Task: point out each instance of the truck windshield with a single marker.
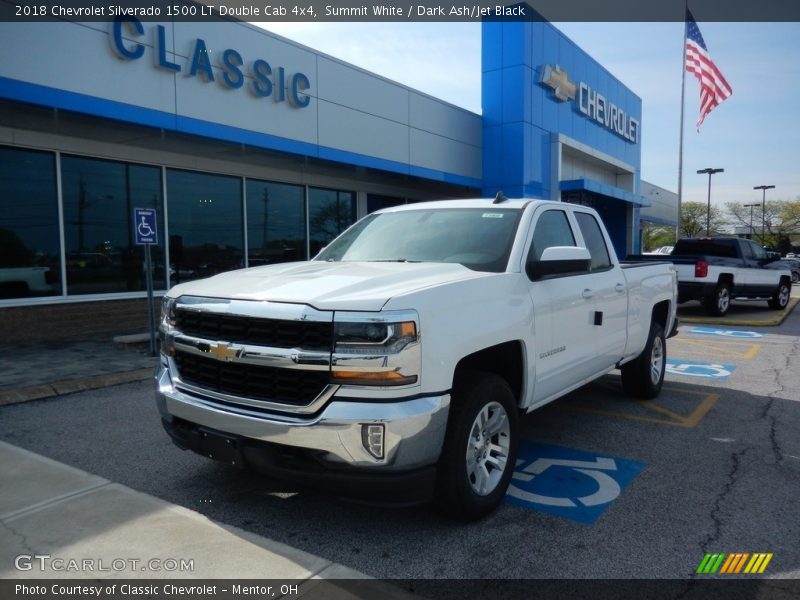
(478, 238)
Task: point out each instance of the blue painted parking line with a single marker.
(568, 483)
(731, 333)
(692, 368)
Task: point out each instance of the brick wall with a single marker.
(74, 322)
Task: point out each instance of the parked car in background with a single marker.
(21, 282)
(661, 250)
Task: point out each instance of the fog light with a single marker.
(372, 439)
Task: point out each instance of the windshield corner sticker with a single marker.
(492, 215)
(572, 484)
(699, 369)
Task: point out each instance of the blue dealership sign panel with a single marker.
(568, 483)
(144, 226)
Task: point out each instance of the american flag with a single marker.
(713, 87)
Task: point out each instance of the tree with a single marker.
(655, 236)
(693, 219)
(781, 220)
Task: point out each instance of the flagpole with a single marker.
(680, 135)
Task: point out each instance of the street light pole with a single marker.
(763, 189)
(751, 206)
(710, 172)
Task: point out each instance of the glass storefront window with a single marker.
(99, 198)
(206, 232)
(330, 212)
(379, 201)
(276, 223)
(29, 238)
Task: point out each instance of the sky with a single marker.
(754, 135)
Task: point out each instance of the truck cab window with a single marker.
(552, 229)
(595, 243)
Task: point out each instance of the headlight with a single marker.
(376, 349)
(374, 338)
(168, 312)
(167, 323)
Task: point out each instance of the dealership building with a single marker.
(255, 150)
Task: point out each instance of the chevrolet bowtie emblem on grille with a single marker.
(556, 78)
(221, 351)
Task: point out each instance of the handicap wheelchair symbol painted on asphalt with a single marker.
(706, 370)
(568, 483)
(733, 333)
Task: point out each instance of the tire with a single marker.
(477, 461)
(643, 377)
(720, 301)
(795, 277)
(781, 298)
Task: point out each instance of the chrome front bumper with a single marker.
(413, 438)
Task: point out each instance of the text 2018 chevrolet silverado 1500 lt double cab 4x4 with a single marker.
(395, 365)
(715, 270)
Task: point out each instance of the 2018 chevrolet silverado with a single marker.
(395, 364)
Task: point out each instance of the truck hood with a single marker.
(328, 285)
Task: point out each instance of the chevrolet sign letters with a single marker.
(590, 103)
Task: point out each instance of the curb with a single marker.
(745, 322)
(70, 386)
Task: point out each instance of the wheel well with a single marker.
(661, 314)
(726, 278)
(504, 360)
(786, 280)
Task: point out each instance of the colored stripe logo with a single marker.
(734, 563)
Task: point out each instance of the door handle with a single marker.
(620, 287)
(587, 293)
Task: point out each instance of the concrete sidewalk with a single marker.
(35, 371)
(48, 508)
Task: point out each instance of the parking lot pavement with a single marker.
(606, 486)
(51, 514)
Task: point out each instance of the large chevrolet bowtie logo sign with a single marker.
(591, 104)
(556, 78)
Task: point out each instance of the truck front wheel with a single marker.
(480, 447)
(781, 297)
(644, 376)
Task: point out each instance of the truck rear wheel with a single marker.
(719, 302)
(480, 447)
(781, 298)
(644, 376)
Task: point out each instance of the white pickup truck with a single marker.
(395, 365)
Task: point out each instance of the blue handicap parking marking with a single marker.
(568, 483)
(732, 333)
(692, 368)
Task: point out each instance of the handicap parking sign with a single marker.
(144, 225)
(568, 483)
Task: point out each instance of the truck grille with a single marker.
(287, 386)
(274, 333)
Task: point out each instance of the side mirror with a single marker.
(559, 260)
